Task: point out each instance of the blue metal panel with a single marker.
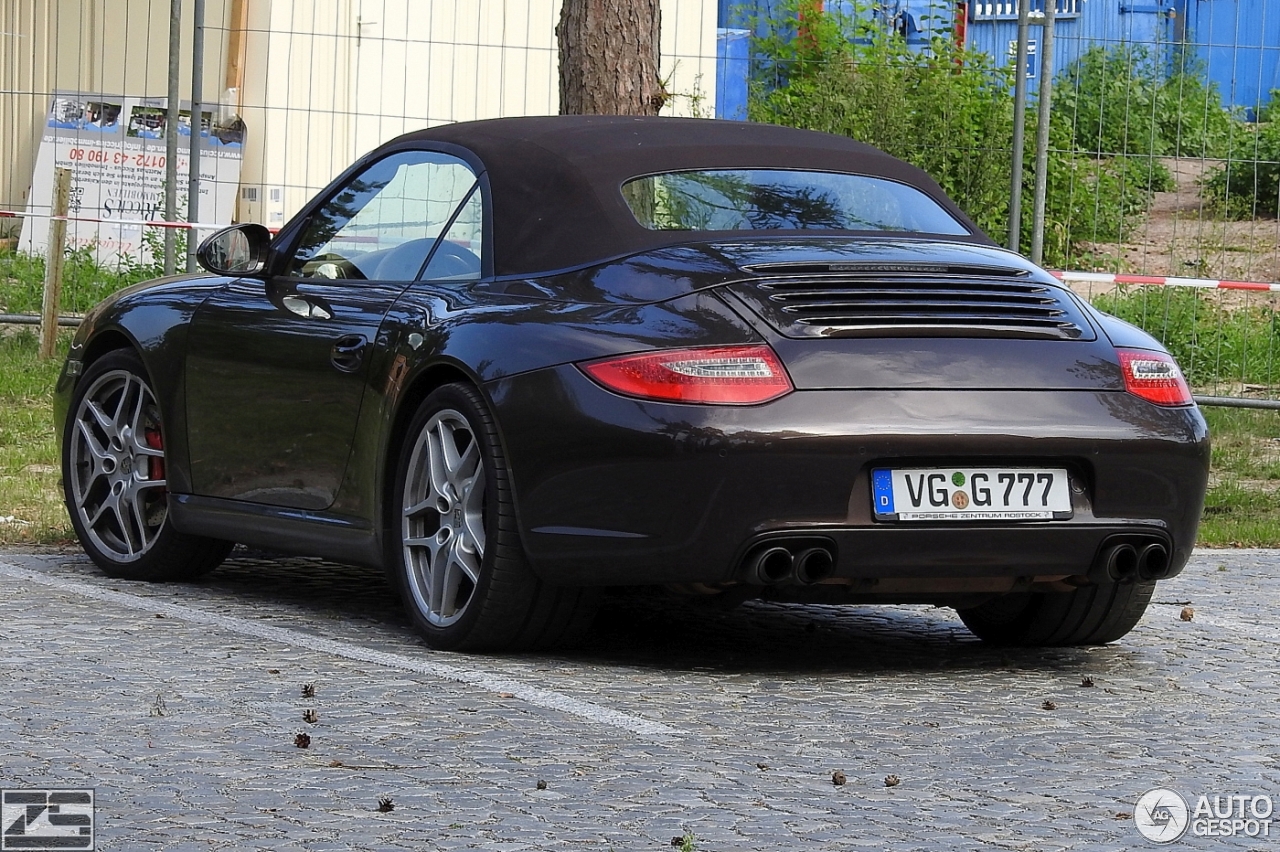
(1239, 43)
(1107, 23)
(733, 65)
(1237, 40)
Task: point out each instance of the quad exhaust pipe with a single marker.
(1122, 563)
(1126, 561)
(814, 565)
(770, 566)
(778, 563)
(1153, 562)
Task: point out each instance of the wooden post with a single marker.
(53, 265)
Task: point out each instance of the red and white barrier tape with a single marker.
(186, 226)
(1162, 281)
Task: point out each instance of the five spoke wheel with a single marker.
(454, 549)
(114, 477)
(117, 465)
(442, 519)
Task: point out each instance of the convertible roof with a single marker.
(556, 180)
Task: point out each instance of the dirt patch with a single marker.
(1181, 237)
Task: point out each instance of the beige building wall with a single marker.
(317, 82)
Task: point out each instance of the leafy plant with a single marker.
(1247, 185)
(944, 109)
(85, 282)
(1189, 113)
(1109, 97)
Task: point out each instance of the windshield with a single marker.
(782, 199)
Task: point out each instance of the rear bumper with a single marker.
(617, 491)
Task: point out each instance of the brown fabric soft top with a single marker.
(556, 180)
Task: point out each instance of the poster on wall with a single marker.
(115, 149)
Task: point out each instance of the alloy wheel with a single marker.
(442, 518)
(118, 486)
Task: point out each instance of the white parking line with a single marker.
(534, 695)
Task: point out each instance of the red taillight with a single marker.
(1154, 376)
(726, 375)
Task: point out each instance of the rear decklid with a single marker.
(917, 314)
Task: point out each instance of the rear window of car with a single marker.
(783, 199)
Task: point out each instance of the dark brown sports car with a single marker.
(516, 361)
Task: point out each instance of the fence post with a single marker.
(171, 137)
(1019, 125)
(53, 265)
(1042, 130)
(197, 110)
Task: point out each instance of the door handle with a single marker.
(348, 352)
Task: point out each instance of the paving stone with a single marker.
(186, 730)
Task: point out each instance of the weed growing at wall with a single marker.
(85, 282)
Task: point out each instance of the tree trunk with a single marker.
(609, 57)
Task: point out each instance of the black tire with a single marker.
(1090, 615)
(454, 551)
(113, 469)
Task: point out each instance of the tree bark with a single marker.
(609, 57)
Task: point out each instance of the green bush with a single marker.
(1190, 116)
(1120, 102)
(948, 111)
(1247, 185)
(945, 110)
(1109, 98)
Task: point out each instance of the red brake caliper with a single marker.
(155, 465)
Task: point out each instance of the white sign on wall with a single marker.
(115, 149)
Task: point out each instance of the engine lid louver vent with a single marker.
(886, 300)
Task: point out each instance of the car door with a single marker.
(276, 370)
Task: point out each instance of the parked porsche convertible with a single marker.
(515, 361)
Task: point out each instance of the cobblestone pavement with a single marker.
(180, 704)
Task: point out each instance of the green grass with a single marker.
(84, 282)
(31, 510)
(1242, 508)
(1220, 342)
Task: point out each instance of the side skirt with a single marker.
(288, 530)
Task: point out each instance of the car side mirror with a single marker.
(238, 250)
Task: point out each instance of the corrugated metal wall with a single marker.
(1239, 43)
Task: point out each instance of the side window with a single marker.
(457, 257)
(384, 222)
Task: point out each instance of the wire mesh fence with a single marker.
(1163, 158)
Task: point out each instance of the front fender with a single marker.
(156, 328)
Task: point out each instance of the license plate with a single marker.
(971, 494)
